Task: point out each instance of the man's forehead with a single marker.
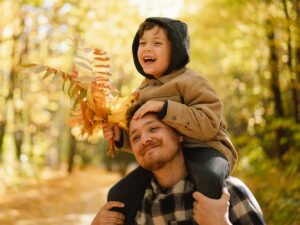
(144, 121)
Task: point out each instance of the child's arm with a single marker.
(199, 114)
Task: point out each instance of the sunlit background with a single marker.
(248, 50)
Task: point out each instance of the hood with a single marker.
(178, 33)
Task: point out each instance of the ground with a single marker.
(60, 200)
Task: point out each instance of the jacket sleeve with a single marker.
(199, 115)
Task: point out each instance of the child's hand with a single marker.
(149, 106)
(106, 216)
(111, 131)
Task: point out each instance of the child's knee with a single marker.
(212, 178)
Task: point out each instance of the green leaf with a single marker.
(88, 50)
(83, 93)
(78, 57)
(59, 73)
(63, 85)
(48, 73)
(66, 86)
(71, 91)
(85, 79)
(39, 68)
(75, 103)
(84, 65)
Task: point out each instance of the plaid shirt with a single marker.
(175, 205)
(172, 206)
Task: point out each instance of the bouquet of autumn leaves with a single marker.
(95, 100)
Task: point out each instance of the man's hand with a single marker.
(209, 211)
(105, 216)
(149, 106)
(111, 131)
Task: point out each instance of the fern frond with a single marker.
(95, 100)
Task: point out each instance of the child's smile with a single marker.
(148, 59)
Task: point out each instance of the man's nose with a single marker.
(146, 139)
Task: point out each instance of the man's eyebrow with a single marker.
(135, 130)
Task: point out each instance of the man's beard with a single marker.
(158, 163)
(152, 166)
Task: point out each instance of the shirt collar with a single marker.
(179, 187)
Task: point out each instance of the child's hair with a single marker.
(148, 25)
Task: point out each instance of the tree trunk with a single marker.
(72, 152)
(296, 7)
(14, 83)
(280, 143)
(290, 63)
(2, 130)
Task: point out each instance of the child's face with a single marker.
(154, 51)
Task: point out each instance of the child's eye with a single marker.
(158, 43)
(142, 43)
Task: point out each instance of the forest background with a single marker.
(249, 51)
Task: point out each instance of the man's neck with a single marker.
(171, 173)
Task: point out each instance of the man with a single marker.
(167, 194)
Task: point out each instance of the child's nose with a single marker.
(147, 48)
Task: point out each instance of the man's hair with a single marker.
(146, 25)
(130, 113)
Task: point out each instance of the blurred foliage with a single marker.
(275, 183)
(249, 51)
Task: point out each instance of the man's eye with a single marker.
(153, 129)
(134, 139)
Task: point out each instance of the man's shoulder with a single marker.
(239, 191)
(130, 185)
(244, 208)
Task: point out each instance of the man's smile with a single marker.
(150, 148)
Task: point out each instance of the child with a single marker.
(184, 100)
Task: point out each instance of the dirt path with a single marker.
(65, 200)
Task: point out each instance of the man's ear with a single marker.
(181, 138)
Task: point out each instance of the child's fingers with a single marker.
(150, 106)
(112, 204)
(107, 132)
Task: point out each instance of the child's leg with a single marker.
(208, 169)
(130, 190)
